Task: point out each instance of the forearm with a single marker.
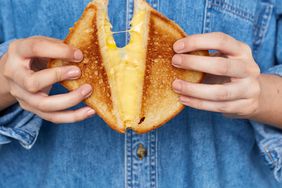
(6, 98)
(270, 102)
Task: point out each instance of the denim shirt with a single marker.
(195, 149)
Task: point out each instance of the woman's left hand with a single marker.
(239, 96)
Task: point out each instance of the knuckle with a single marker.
(31, 85)
(224, 94)
(222, 38)
(198, 104)
(244, 67)
(225, 68)
(58, 74)
(13, 45)
(246, 48)
(34, 49)
(224, 108)
(41, 105)
(251, 87)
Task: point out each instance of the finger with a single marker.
(225, 92)
(62, 116)
(212, 65)
(46, 103)
(49, 38)
(243, 106)
(212, 41)
(68, 116)
(47, 77)
(41, 47)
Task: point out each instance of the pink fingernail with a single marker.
(78, 55)
(178, 46)
(73, 73)
(90, 112)
(177, 86)
(86, 90)
(177, 60)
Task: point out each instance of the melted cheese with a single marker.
(126, 68)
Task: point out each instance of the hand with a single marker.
(29, 81)
(236, 96)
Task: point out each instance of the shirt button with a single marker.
(141, 151)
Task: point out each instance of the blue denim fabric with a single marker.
(195, 149)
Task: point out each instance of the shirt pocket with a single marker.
(246, 21)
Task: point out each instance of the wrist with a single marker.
(269, 104)
(260, 105)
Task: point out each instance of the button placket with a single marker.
(140, 150)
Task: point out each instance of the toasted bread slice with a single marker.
(132, 85)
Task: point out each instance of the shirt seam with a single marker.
(223, 6)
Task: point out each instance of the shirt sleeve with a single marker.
(270, 139)
(17, 124)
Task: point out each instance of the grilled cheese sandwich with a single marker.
(132, 85)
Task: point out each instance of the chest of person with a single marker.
(247, 21)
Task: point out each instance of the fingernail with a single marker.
(86, 90)
(178, 46)
(177, 60)
(78, 55)
(177, 86)
(90, 112)
(74, 73)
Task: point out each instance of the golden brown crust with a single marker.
(143, 131)
(92, 68)
(157, 82)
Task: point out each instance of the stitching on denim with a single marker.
(206, 25)
(136, 140)
(153, 159)
(129, 14)
(223, 6)
(128, 159)
(261, 26)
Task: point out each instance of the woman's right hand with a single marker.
(24, 68)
